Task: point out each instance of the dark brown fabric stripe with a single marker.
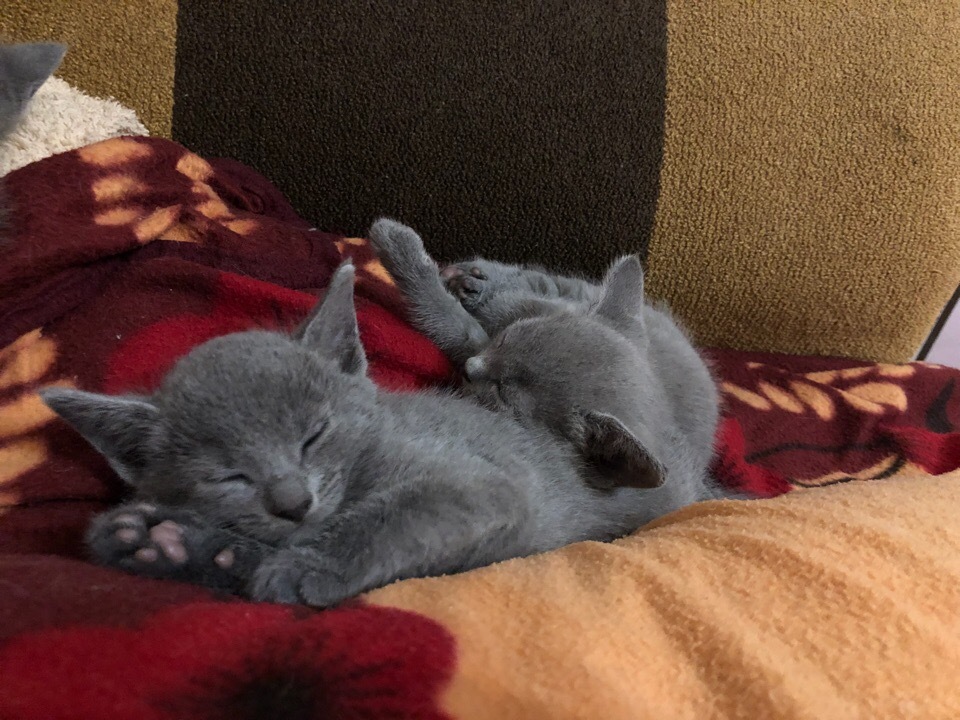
(528, 130)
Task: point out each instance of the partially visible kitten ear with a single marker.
(125, 429)
(616, 454)
(27, 66)
(621, 298)
(331, 328)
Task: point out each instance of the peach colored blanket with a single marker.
(842, 602)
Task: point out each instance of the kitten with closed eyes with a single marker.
(271, 466)
(619, 363)
(564, 345)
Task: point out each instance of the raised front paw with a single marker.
(401, 251)
(155, 541)
(466, 282)
(299, 576)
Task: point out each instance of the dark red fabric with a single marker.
(129, 253)
(207, 661)
(829, 420)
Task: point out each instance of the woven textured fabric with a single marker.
(790, 172)
(810, 190)
(833, 603)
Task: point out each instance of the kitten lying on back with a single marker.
(271, 466)
(496, 294)
(463, 305)
(563, 347)
(23, 69)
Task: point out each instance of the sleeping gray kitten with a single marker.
(23, 69)
(623, 363)
(270, 465)
(564, 346)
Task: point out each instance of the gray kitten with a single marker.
(270, 465)
(621, 361)
(23, 69)
(564, 347)
(496, 294)
(463, 305)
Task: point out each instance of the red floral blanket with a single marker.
(128, 253)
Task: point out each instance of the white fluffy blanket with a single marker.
(60, 118)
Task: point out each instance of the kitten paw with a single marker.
(466, 282)
(401, 251)
(294, 576)
(148, 540)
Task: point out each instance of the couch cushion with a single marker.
(789, 170)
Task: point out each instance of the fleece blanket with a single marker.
(820, 602)
(59, 118)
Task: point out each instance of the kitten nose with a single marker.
(289, 499)
(475, 368)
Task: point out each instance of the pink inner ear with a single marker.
(450, 271)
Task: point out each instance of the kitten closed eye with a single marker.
(235, 478)
(311, 442)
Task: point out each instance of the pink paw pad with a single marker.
(147, 555)
(169, 537)
(450, 271)
(128, 535)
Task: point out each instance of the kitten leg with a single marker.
(434, 311)
(504, 309)
(489, 303)
(394, 537)
(163, 542)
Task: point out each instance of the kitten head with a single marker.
(254, 429)
(23, 69)
(585, 377)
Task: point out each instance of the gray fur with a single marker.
(498, 295)
(621, 362)
(23, 69)
(465, 304)
(399, 485)
(578, 358)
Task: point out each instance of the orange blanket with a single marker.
(840, 602)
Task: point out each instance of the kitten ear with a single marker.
(331, 328)
(28, 65)
(618, 456)
(621, 299)
(126, 430)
